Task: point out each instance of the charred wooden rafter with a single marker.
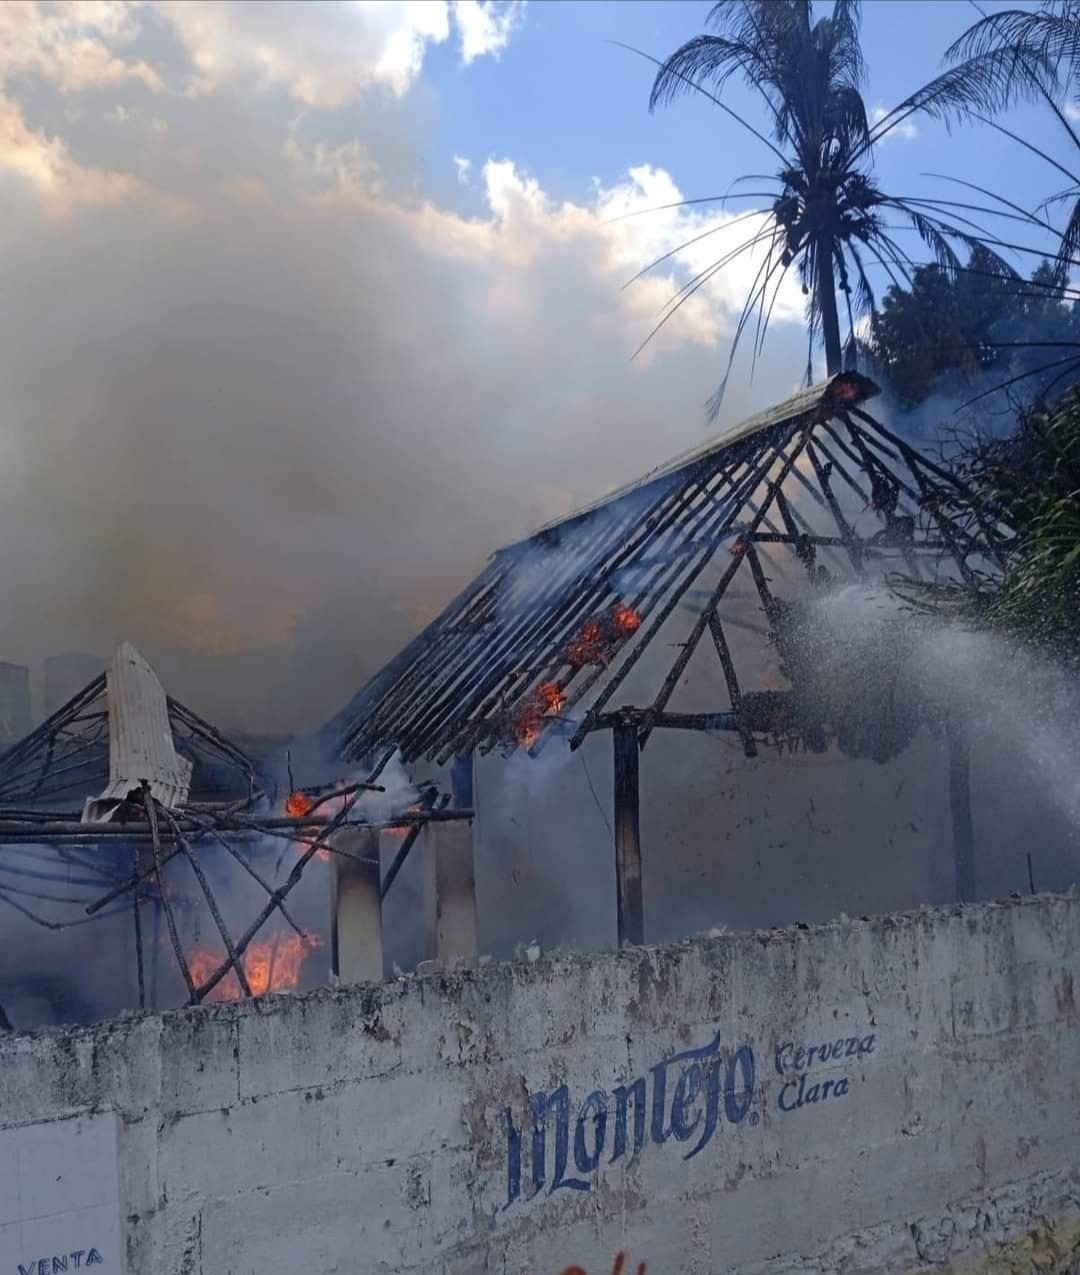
(127, 857)
(168, 834)
(803, 479)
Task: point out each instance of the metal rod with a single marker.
(213, 832)
(710, 523)
(363, 717)
(672, 521)
(48, 728)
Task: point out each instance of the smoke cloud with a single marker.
(268, 408)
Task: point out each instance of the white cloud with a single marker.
(324, 53)
(328, 52)
(76, 44)
(463, 166)
(905, 130)
(621, 230)
(138, 119)
(485, 25)
(1072, 111)
(45, 165)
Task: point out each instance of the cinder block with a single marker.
(294, 1136)
(364, 1222)
(199, 1060)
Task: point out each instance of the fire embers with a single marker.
(298, 804)
(401, 833)
(543, 702)
(271, 965)
(602, 636)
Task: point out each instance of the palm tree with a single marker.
(827, 216)
(1014, 55)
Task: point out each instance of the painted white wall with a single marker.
(365, 1130)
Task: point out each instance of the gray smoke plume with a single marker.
(265, 421)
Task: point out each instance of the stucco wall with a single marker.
(863, 1096)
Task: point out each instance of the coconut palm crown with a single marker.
(828, 215)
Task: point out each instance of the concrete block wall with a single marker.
(879, 1095)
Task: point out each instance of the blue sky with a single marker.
(571, 106)
(332, 292)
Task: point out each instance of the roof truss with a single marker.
(534, 645)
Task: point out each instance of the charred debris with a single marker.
(124, 780)
(592, 623)
(547, 644)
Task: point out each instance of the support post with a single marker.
(629, 907)
(357, 942)
(960, 802)
(450, 876)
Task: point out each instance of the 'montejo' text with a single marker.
(687, 1090)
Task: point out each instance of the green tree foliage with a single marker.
(1029, 481)
(964, 333)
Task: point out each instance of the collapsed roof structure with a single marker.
(553, 626)
(156, 784)
(594, 623)
(549, 639)
(118, 729)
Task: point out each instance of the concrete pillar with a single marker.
(450, 877)
(357, 943)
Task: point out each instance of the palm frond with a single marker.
(700, 88)
(985, 84)
(1070, 245)
(688, 243)
(688, 203)
(1052, 34)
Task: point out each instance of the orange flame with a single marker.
(602, 636)
(587, 647)
(401, 833)
(298, 804)
(271, 965)
(545, 701)
(626, 619)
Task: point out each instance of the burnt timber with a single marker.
(776, 484)
(816, 486)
